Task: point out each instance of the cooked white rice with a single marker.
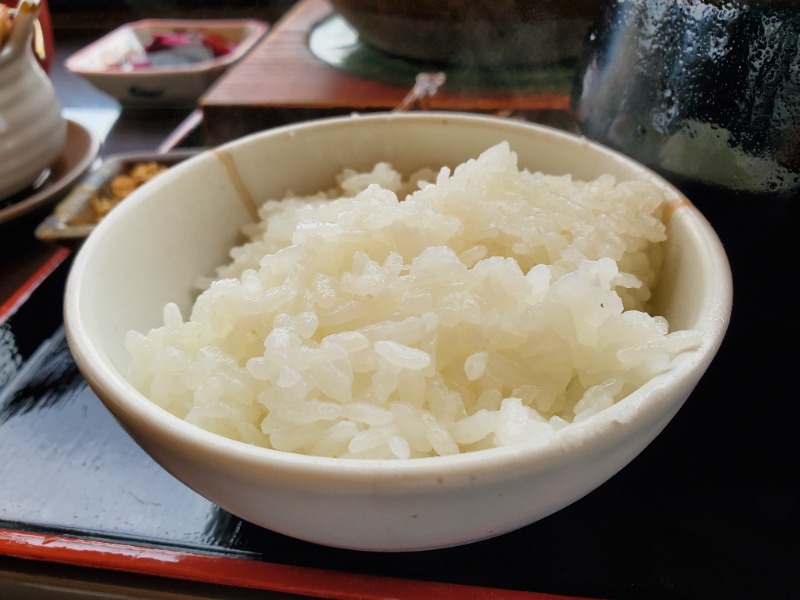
(489, 307)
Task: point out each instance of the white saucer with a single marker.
(80, 150)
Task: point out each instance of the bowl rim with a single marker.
(607, 426)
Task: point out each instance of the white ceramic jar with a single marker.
(32, 129)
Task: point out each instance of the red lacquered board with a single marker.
(312, 65)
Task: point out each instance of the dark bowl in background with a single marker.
(479, 32)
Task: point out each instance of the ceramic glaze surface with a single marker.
(377, 505)
(32, 129)
(174, 86)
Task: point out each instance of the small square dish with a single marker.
(74, 217)
(165, 62)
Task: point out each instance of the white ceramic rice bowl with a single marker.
(151, 249)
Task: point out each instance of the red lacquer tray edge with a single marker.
(238, 572)
(11, 304)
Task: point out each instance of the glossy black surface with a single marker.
(709, 510)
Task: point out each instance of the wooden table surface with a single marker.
(281, 80)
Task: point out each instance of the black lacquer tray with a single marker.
(708, 510)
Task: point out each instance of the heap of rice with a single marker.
(489, 307)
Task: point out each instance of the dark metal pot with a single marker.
(704, 92)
